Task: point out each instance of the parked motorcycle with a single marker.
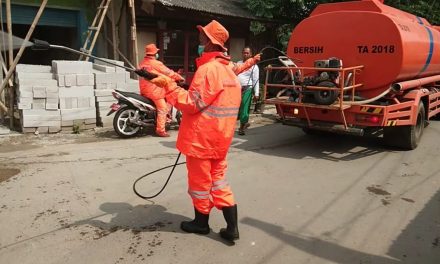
(133, 112)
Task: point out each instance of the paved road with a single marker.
(302, 199)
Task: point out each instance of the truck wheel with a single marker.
(325, 97)
(406, 137)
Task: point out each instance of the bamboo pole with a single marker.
(11, 60)
(23, 45)
(112, 20)
(133, 32)
(120, 53)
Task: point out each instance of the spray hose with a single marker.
(176, 163)
(166, 182)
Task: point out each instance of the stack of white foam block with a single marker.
(108, 78)
(76, 94)
(69, 95)
(37, 98)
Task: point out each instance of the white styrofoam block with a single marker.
(52, 103)
(103, 68)
(85, 102)
(76, 91)
(52, 89)
(105, 86)
(61, 79)
(119, 77)
(66, 123)
(40, 113)
(118, 69)
(52, 95)
(31, 123)
(25, 88)
(105, 99)
(85, 79)
(70, 67)
(25, 94)
(127, 76)
(70, 80)
(39, 103)
(33, 68)
(78, 113)
(38, 82)
(51, 106)
(102, 77)
(26, 76)
(106, 104)
(25, 100)
(68, 103)
(55, 129)
(24, 105)
(103, 93)
(39, 91)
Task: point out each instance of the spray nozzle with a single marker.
(40, 45)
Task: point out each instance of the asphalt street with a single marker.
(301, 199)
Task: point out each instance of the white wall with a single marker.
(236, 46)
(144, 38)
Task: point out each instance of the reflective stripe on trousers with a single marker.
(207, 184)
(162, 111)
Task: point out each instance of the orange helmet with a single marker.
(216, 33)
(151, 49)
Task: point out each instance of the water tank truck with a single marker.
(364, 67)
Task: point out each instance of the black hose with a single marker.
(178, 157)
(166, 183)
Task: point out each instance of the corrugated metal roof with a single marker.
(232, 8)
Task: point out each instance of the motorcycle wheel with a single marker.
(121, 123)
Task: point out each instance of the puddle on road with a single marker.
(6, 173)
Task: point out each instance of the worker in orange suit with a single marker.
(210, 108)
(157, 94)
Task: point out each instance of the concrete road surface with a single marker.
(302, 199)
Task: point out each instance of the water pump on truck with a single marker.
(370, 67)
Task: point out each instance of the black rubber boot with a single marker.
(230, 233)
(199, 225)
(241, 130)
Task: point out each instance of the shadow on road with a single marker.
(317, 247)
(137, 219)
(419, 242)
(294, 143)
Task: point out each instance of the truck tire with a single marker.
(406, 137)
(325, 97)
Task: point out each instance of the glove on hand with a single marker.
(162, 81)
(257, 57)
(146, 74)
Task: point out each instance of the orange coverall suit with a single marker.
(156, 93)
(210, 109)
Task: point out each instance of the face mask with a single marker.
(157, 56)
(200, 49)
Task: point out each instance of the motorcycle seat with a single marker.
(137, 97)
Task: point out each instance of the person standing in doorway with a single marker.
(250, 90)
(153, 92)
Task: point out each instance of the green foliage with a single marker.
(64, 3)
(429, 9)
(288, 13)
